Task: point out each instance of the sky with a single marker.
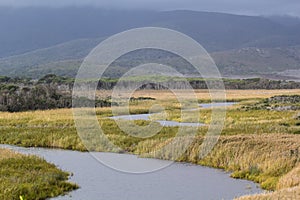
(246, 7)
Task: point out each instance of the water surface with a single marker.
(179, 181)
(176, 182)
(172, 123)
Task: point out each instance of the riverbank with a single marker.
(30, 177)
(256, 144)
(97, 181)
(288, 188)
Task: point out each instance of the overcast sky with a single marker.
(248, 7)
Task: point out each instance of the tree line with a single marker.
(51, 91)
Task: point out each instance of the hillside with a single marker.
(27, 29)
(242, 46)
(65, 59)
(259, 61)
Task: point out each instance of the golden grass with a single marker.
(264, 158)
(5, 154)
(285, 194)
(204, 94)
(33, 116)
(288, 188)
(255, 144)
(290, 180)
(251, 94)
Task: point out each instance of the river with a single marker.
(179, 181)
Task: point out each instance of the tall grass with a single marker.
(288, 187)
(30, 177)
(254, 144)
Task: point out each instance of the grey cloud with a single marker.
(253, 7)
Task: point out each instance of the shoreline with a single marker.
(188, 164)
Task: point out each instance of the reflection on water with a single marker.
(177, 182)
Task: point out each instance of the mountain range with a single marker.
(37, 41)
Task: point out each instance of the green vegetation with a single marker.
(14, 98)
(30, 177)
(51, 91)
(255, 135)
(280, 103)
(53, 79)
(256, 144)
(200, 83)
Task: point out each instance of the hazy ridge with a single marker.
(241, 45)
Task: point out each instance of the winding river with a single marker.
(179, 181)
(172, 123)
